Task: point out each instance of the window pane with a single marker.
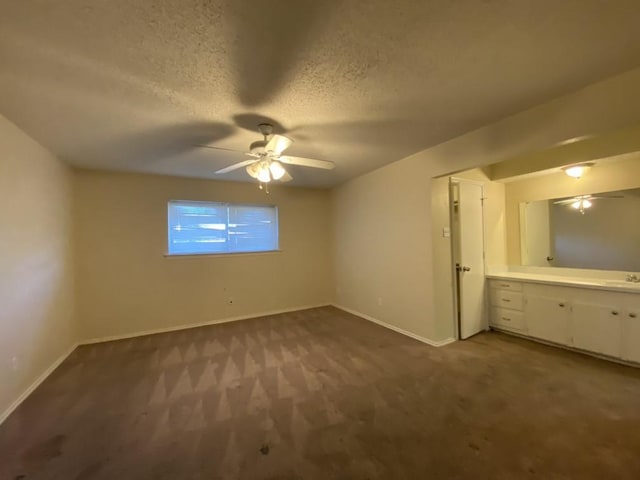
(203, 227)
(197, 227)
(252, 229)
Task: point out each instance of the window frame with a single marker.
(227, 205)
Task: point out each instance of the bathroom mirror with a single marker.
(598, 231)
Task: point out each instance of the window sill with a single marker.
(236, 254)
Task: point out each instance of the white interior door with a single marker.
(469, 243)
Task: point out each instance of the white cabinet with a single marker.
(506, 305)
(598, 321)
(547, 318)
(631, 329)
(506, 318)
(597, 328)
(506, 285)
(506, 299)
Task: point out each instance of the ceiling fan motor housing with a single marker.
(265, 129)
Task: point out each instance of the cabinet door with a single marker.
(547, 318)
(597, 328)
(631, 336)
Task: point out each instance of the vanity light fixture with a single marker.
(577, 171)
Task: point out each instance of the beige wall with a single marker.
(383, 226)
(380, 255)
(127, 285)
(36, 271)
(617, 175)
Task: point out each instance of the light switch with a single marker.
(446, 232)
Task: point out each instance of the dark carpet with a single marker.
(321, 394)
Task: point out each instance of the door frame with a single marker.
(455, 252)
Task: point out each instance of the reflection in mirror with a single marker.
(598, 231)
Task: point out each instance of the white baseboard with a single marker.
(433, 343)
(196, 325)
(36, 383)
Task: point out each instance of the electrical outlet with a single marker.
(15, 364)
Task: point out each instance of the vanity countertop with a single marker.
(580, 282)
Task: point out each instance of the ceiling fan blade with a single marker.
(278, 144)
(235, 166)
(218, 148)
(286, 177)
(240, 152)
(566, 202)
(606, 196)
(307, 162)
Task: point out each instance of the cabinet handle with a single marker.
(506, 300)
(632, 315)
(505, 285)
(561, 305)
(614, 312)
(506, 319)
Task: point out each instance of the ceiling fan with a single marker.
(582, 202)
(266, 160)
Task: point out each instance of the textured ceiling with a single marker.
(134, 85)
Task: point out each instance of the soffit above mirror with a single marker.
(604, 149)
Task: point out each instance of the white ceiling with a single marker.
(134, 85)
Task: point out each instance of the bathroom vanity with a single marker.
(595, 315)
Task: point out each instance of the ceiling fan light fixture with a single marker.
(253, 170)
(577, 171)
(263, 173)
(277, 170)
(581, 204)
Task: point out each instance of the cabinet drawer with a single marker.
(506, 285)
(506, 299)
(504, 317)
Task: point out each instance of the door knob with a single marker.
(466, 269)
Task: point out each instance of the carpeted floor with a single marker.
(321, 394)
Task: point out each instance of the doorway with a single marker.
(467, 246)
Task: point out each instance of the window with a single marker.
(206, 227)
